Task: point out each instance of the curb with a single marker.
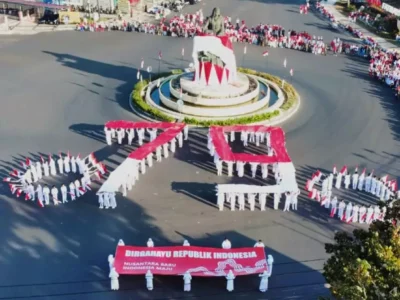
(275, 121)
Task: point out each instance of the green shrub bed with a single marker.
(290, 93)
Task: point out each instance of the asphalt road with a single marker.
(59, 89)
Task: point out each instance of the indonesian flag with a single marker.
(245, 49)
(308, 185)
(284, 63)
(393, 185)
(50, 158)
(369, 218)
(82, 191)
(160, 55)
(363, 172)
(334, 170)
(349, 219)
(92, 158)
(312, 194)
(68, 154)
(28, 161)
(183, 52)
(363, 217)
(142, 64)
(19, 192)
(318, 198)
(87, 187)
(265, 53)
(385, 178)
(343, 170)
(14, 173)
(333, 211)
(138, 75)
(102, 168)
(344, 215)
(23, 164)
(42, 159)
(27, 197)
(324, 200)
(12, 188)
(78, 156)
(7, 179)
(317, 176)
(40, 203)
(98, 174)
(291, 72)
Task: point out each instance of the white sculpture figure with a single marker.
(108, 134)
(244, 137)
(218, 165)
(264, 281)
(149, 159)
(241, 200)
(229, 281)
(232, 136)
(251, 198)
(221, 200)
(253, 169)
(121, 243)
(187, 278)
(263, 200)
(114, 279)
(101, 201)
(120, 135)
(149, 280)
(226, 244)
(39, 170)
(140, 133)
(31, 192)
(186, 243)
(72, 191)
(230, 168)
(150, 243)
(173, 145)
(46, 194)
(152, 133)
(338, 180)
(39, 191)
(259, 244)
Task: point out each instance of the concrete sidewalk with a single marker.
(342, 19)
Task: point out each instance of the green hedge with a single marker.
(290, 95)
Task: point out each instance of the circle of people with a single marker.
(383, 188)
(187, 278)
(23, 181)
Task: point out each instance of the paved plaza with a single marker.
(59, 89)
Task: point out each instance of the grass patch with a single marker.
(291, 97)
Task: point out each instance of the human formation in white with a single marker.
(26, 182)
(234, 194)
(187, 277)
(381, 187)
(125, 176)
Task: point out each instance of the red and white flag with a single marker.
(68, 154)
(385, 178)
(7, 179)
(12, 188)
(160, 55)
(265, 53)
(98, 174)
(42, 159)
(28, 161)
(183, 52)
(333, 211)
(308, 185)
(142, 64)
(291, 72)
(343, 216)
(82, 191)
(23, 164)
(40, 203)
(363, 217)
(102, 168)
(324, 200)
(27, 197)
(284, 63)
(318, 197)
(393, 185)
(14, 173)
(50, 158)
(19, 192)
(349, 218)
(334, 170)
(312, 194)
(343, 171)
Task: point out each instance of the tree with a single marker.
(366, 265)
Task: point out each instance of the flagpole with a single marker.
(159, 65)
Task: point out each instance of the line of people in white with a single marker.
(187, 277)
(383, 188)
(24, 182)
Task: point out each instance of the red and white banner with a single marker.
(199, 261)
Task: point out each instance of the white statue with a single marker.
(149, 280)
(150, 243)
(187, 278)
(114, 279)
(229, 281)
(186, 243)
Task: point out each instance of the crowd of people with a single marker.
(383, 188)
(23, 182)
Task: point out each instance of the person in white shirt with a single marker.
(259, 244)
(150, 243)
(226, 244)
